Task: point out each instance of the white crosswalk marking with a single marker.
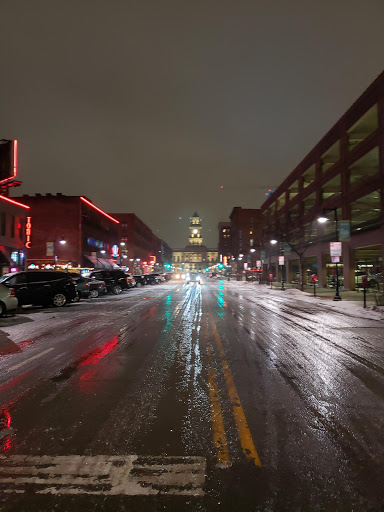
(103, 474)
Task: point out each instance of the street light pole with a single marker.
(322, 220)
(62, 241)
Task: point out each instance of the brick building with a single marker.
(224, 247)
(14, 226)
(139, 246)
(70, 231)
(245, 235)
(342, 178)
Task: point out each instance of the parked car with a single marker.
(8, 300)
(151, 279)
(192, 278)
(115, 280)
(41, 287)
(87, 287)
(140, 281)
(130, 280)
(159, 277)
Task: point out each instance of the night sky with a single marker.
(150, 106)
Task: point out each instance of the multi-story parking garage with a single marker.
(343, 179)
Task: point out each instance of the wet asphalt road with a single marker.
(177, 397)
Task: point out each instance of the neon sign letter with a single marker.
(28, 229)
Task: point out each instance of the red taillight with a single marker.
(127, 280)
(103, 283)
(87, 285)
(12, 290)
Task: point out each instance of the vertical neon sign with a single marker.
(14, 166)
(28, 230)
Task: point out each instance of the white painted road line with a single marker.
(103, 474)
(30, 359)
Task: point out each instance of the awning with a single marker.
(101, 262)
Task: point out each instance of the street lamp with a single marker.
(62, 241)
(322, 220)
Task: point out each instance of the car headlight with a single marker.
(182, 276)
(177, 276)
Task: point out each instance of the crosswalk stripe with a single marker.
(103, 474)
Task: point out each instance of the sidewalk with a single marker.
(329, 293)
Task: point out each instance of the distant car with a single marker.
(159, 277)
(8, 300)
(192, 278)
(41, 287)
(115, 280)
(87, 287)
(167, 277)
(151, 279)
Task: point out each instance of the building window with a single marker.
(13, 221)
(366, 211)
(366, 125)
(3, 221)
(332, 187)
(309, 176)
(365, 168)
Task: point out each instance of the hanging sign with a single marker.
(335, 248)
(281, 260)
(258, 264)
(335, 259)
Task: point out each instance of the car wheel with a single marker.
(94, 294)
(77, 298)
(117, 289)
(138, 285)
(59, 300)
(3, 309)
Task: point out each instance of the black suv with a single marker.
(41, 287)
(115, 280)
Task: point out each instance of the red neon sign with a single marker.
(28, 230)
(14, 158)
(98, 209)
(14, 202)
(13, 165)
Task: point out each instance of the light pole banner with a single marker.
(258, 263)
(287, 249)
(50, 249)
(344, 227)
(335, 248)
(281, 260)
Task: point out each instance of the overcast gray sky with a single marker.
(150, 106)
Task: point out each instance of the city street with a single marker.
(192, 397)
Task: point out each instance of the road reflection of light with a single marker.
(190, 355)
(5, 425)
(96, 355)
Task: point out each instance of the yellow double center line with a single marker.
(245, 436)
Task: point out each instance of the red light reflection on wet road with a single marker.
(96, 355)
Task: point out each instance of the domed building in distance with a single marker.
(195, 256)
